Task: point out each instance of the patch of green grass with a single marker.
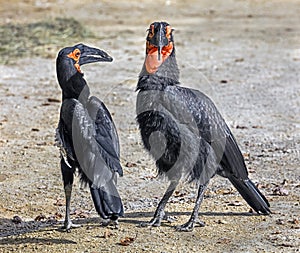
(42, 38)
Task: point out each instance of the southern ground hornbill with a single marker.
(87, 136)
(184, 132)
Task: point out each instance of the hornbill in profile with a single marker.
(184, 132)
(87, 136)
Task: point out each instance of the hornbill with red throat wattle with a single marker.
(184, 132)
(87, 136)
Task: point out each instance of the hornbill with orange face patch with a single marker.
(184, 132)
(87, 136)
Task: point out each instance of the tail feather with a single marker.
(251, 194)
(107, 201)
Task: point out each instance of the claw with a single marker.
(109, 222)
(114, 224)
(155, 222)
(170, 219)
(68, 225)
(189, 226)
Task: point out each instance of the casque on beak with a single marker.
(159, 39)
(90, 54)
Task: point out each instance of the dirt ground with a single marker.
(244, 54)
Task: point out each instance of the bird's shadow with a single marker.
(9, 230)
(134, 217)
(35, 240)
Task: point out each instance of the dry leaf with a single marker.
(127, 240)
(224, 191)
(224, 241)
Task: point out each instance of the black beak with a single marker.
(160, 36)
(90, 54)
(159, 39)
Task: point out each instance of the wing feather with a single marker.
(205, 139)
(92, 144)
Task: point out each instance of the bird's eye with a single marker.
(151, 31)
(168, 31)
(77, 53)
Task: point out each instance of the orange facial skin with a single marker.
(152, 63)
(75, 55)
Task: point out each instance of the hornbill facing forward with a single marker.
(87, 136)
(184, 132)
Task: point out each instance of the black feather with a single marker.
(87, 136)
(187, 136)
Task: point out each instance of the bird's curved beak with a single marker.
(90, 54)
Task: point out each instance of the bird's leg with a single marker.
(194, 216)
(68, 191)
(159, 213)
(68, 177)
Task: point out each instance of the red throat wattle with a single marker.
(152, 63)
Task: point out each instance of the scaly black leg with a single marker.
(194, 217)
(68, 178)
(159, 213)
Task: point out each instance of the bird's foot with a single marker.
(189, 226)
(68, 225)
(114, 224)
(155, 222)
(108, 222)
(170, 219)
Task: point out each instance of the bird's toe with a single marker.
(109, 222)
(170, 219)
(189, 226)
(184, 228)
(200, 223)
(68, 225)
(105, 222)
(155, 222)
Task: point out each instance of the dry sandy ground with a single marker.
(244, 54)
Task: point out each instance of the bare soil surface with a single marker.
(244, 54)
